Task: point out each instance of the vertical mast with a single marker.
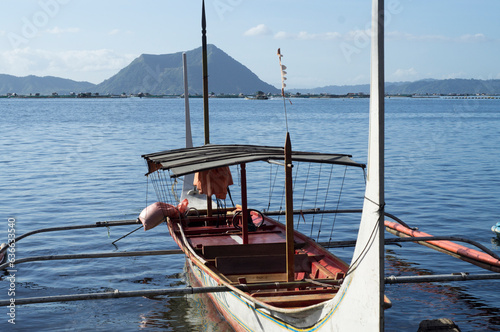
(188, 179)
(375, 176)
(189, 137)
(205, 89)
(377, 126)
(205, 73)
(290, 250)
(360, 299)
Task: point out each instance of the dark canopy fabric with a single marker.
(189, 160)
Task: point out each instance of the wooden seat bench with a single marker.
(256, 278)
(210, 252)
(260, 264)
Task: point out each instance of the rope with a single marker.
(273, 185)
(282, 198)
(324, 203)
(315, 201)
(304, 196)
(338, 204)
(361, 256)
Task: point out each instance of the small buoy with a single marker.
(496, 229)
(155, 214)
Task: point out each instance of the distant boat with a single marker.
(258, 97)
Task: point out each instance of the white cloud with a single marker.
(357, 35)
(397, 35)
(459, 74)
(467, 38)
(304, 35)
(284, 35)
(91, 65)
(259, 30)
(405, 74)
(114, 32)
(472, 38)
(58, 31)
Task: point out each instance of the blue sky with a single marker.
(324, 42)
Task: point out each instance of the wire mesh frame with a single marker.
(165, 188)
(329, 188)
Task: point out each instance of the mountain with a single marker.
(446, 87)
(427, 86)
(335, 89)
(163, 74)
(42, 85)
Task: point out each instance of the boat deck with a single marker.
(263, 260)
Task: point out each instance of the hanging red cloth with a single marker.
(214, 181)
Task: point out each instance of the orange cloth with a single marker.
(214, 181)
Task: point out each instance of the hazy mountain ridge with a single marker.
(163, 75)
(421, 87)
(43, 85)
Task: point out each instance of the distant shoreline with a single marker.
(227, 96)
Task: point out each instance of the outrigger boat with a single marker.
(289, 281)
(261, 274)
(226, 249)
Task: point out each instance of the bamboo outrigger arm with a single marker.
(274, 285)
(318, 211)
(67, 228)
(93, 255)
(351, 243)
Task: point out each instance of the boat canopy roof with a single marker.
(190, 160)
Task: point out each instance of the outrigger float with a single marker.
(262, 274)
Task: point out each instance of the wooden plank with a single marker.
(258, 278)
(212, 231)
(260, 264)
(289, 301)
(323, 269)
(208, 230)
(297, 292)
(210, 252)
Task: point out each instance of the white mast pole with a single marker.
(189, 138)
(377, 137)
(189, 178)
(360, 300)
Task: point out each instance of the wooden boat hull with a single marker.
(246, 313)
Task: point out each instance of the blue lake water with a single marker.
(75, 161)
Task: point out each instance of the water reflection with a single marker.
(193, 312)
(413, 303)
